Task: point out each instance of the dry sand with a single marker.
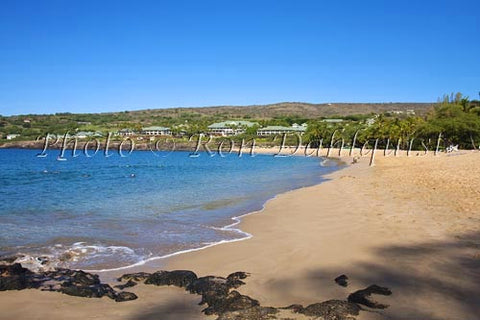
(408, 223)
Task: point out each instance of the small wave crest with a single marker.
(79, 255)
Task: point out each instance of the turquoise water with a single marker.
(101, 213)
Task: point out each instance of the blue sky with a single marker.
(97, 56)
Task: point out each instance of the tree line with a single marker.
(454, 117)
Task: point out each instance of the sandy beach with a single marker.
(408, 223)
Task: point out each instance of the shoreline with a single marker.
(141, 266)
(409, 224)
(404, 222)
(138, 266)
(29, 261)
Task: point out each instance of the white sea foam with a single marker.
(61, 256)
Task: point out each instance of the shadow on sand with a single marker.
(173, 310)
(430, 280)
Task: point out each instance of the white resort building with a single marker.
(12, 136)
(271, 130)
(156, 131)
(333, 120)
(87, 134)
(126, 132)
(229, 128)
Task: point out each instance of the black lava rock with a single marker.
(13, 283)
(130, 283)
(209, 284)
(81, 278)
(179, 278)
(217, 292)
(125, 296)
(342, 280)
(233, 301)
(15, 277)
(139, 276)
(363, 296)
(15, 269)
(234, 280)
(298, 308)
(332, 310)
(72, 282)
(257, 313)
(89, 291)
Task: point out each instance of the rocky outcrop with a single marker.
(233, 301)
(363, 296)
(125, 296)
(257, 313)
(87, 291)
(178, 278)
(72, 282)
(221, 299)
(139, 276)
(342, 280)
(332, 310)
(234, 280)
(128, 284)
(219, 294)
(15, 277)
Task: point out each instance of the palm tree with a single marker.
(316, 132)
(465, 103)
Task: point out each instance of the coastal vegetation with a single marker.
(191, 120)
(455, 117)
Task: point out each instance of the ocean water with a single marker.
(103, 213)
